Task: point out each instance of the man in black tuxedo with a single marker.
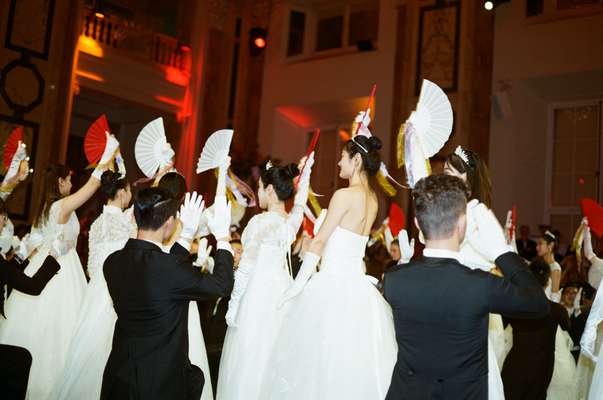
(151, 290)
(441, 307)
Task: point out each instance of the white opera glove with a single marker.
(577, 301)
(387, 234)
(203, 253)
(587, 243)
(241, 279)
(165, 155)
(303, 186)
(190, 215)
(29, 243)
(15, 163)
(219, 221)
(222, 171)
(121, 165)
(363, 118)
(306, 271)
(110, 148)
(407, 249)
(490, 242)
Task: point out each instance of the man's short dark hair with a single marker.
(541, 271)
(153, 207)
(440, 200)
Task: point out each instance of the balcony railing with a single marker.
(111, 31)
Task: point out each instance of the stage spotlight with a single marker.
(257, 41)
(492, 4)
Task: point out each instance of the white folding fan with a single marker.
(433, 118)
(152, 151)
(426, 131)
(215, 150)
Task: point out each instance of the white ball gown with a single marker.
(260, 282)
(91, 345)
(45, 324)
(337, 340)
(594, 326)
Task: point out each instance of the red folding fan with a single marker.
(10, 148)
(96, 139)
(594, 212)
(397, 220)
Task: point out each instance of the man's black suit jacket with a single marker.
(16, 361)
(440, 310)
(151, 291)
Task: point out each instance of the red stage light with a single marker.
(260, 42)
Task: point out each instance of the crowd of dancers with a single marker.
(436, 330)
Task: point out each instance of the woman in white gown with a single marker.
(45, 324)
(468, 166)
(337, 340)
(91, 344)
(591, 338)
(260, 282)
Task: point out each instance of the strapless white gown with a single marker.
(45, 324)
(338, 339)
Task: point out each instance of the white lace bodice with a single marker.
(344, 253)
(108, 233)
(266, 229)
(266, 241)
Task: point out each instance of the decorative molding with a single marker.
(13, 93)
(29, 27)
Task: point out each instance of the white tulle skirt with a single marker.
(563, 383)
(496, 356)
(249, 345)
(337, 342)
(82, 376)
(45, 324)
(196, 349)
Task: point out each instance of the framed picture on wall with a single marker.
(437, 59)
(18, 203)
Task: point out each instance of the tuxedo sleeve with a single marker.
(517, 294)
(190, 284)
(15, 278)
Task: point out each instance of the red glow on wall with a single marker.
(169, 100)
(295, 115)
(343, 135)
(177, 76)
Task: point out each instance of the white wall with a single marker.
(326, 80)
(540, 63)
